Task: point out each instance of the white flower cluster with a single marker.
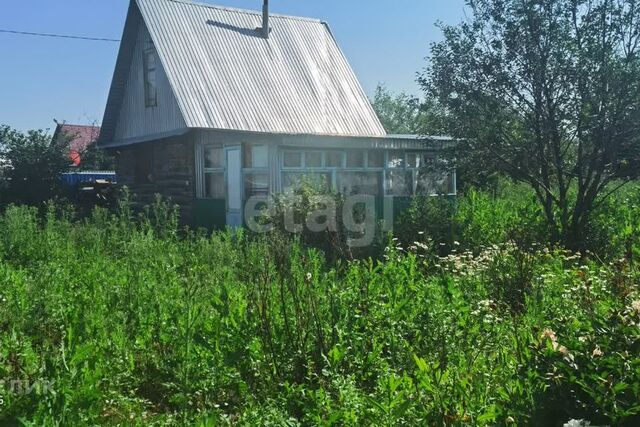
(468, 264)
(577, 423)
(487, 309)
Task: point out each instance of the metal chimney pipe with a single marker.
(265, 19)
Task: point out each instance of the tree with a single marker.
(33, 163)
(405, 114)
(547, 92)
(95, 158)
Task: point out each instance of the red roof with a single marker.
(80, 136)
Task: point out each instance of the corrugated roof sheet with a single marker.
(225, 75)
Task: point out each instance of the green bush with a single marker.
(291, 213)
(474, 221)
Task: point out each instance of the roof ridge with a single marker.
(73, 124)
(247, 11)
(84, 126)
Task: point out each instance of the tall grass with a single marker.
(134, 323)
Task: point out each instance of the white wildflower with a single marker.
(548, 333)
(577, 423)
(597, 352)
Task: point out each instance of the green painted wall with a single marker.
(210, 214)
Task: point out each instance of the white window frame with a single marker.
(384, 170)
(255, 170)
(205, 170)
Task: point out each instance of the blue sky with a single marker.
(386, 41)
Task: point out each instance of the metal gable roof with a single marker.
(225, 75)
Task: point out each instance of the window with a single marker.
(431, 183)
(214, 185)
(214, 166)
(292, 159)
(350, 183)
(213, 157)
(292, 181)
(428, 161)
(399, 183)
(256, 156)
(256, 185)
(375, 159)
(150, 78)
(335, 159)
(396, 160)
(144, 164)
(313, 159)
(413, 160)
(256, 170)
(375, 172)
(355, 159)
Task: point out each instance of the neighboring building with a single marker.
(208, 108)
(79, 137)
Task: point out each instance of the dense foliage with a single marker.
(546, 92)
(31, 165)
(133, 323)
(96, 159)
(406, 114)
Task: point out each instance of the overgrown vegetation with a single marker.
(546, 92)
(136, 323)
(30, 165)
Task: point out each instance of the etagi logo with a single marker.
(361, 226)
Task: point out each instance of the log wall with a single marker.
(171, 168)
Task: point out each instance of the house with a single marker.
(79, 138)
(212, 105)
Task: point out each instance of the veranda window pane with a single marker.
(295, 181)
(396, 160)
(431, 183)
(334, 159)
(428, 161)
(313, 159)
(292, 159)
(350, 183)
(399, 183)
(355, 159)
(213, 157)
(449, 187)
(256, 184)
(413, 160)
(214, 185)
(256, 156)
(376, 159)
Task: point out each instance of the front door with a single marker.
(234, 186)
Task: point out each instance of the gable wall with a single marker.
(135, 119)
